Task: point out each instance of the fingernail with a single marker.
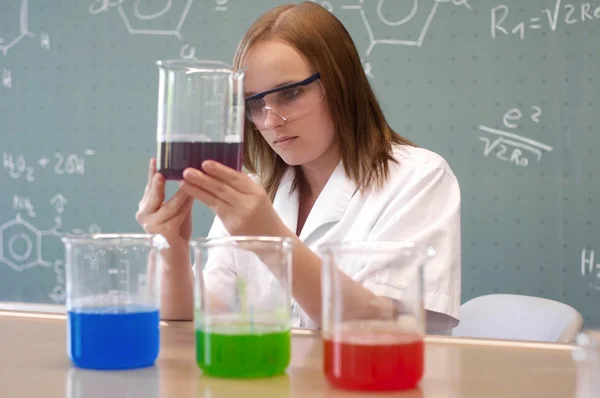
(208, 165)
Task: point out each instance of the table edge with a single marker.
(50, 311)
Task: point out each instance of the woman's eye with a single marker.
(291, 93)
(255, 104)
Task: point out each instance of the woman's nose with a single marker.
(273, 119)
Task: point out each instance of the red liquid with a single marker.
(394, 362)
(175, 157)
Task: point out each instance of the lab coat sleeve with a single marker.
(221, 269)
(219, 273)
(423, 209)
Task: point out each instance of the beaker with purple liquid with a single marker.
(200, 116)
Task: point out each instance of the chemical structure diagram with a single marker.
(135, 18)
(21, 242)
(6, 43)
(414, 14)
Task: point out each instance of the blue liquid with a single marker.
(113, 338)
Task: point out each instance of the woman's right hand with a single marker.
(172, 219)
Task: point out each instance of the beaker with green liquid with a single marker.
(242, 305)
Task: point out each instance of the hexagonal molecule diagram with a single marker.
(414, 16)
(21, 244)
(163, 18)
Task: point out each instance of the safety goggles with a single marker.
(288, 102)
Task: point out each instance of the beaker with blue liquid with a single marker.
(113, 299)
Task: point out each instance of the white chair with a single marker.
(518, 317)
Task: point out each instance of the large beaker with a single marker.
(200, 115)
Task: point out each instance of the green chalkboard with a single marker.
(507, 91)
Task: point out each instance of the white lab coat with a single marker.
(420, 203)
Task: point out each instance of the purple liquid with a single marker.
(175, 157)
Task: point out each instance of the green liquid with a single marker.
(246, 355)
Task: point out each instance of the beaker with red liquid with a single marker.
(200, 115)
(378, 346)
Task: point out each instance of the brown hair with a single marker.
(364, 137)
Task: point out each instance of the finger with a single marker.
(151, 172)
(186, 208)
(156, 195)
(170, 209)
(151, 169)
(239, 181)
(215, 204)
(220, 189)
(178, 219)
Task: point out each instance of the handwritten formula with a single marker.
(590, 268)
(549, 18)
(18, 167)
(509, 146)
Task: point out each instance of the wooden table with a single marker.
(34, 363)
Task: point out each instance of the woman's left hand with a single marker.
(243, 206)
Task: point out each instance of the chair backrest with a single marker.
(518, 317)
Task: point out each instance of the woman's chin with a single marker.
(291, 160)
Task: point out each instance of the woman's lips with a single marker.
(285, 140)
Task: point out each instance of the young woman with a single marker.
(325, 165)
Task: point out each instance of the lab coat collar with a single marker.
(329, 207)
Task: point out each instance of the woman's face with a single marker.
(308, 135)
